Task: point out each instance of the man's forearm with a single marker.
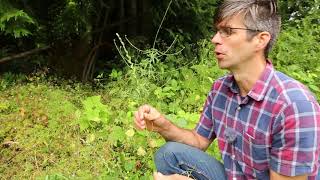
(173, 133)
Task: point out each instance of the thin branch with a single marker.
(23, 54)
(155, 38)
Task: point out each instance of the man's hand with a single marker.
(159, 176)
(148, 117)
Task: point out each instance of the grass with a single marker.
(40, 135)
(40, 138)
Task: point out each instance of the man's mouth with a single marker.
(218, 52)
(219, 55)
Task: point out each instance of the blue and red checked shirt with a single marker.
(276, 126)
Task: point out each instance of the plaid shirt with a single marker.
(276, 126)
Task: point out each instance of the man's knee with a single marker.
(166, 155)
(169, 149)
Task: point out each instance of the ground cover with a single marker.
(59, 129)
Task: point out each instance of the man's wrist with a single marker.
(165, 126)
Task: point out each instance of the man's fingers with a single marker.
(140, 113)
(157, 176)
(144, 109)
(148, 116)
(140, 123)
(152, 117)
(138, 126)
(144, 115)
(137, 116)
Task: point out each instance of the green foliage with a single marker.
(190, 18)
(143, 66)
(71, 19)
(13, 21)
(297, 51)
(95, 114)
(115, 75)
(10, 79)
(292, 10)
(106, 144)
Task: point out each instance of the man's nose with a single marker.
(216, 39)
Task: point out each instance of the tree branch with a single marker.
(23, 54)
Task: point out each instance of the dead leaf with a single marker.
(22, 112)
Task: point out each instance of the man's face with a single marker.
(232, 47)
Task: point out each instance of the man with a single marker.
(266, 123)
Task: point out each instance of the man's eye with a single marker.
(230, 31)
(225, 31)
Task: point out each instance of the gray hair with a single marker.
(261, 15)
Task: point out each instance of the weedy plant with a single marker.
(154, 77)
(151, 57)
(95, 115)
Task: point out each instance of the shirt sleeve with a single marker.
(205, 126)
(295, 139)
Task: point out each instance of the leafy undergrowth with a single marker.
(40, 137)
(72, 131)
(63, 133)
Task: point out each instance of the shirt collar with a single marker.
(260, 88)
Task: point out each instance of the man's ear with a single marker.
(262, 40)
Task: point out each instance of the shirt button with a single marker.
(238, 108)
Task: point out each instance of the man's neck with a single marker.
(248, 74)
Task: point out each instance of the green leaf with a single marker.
(84, 124)
(314, 88)
(129, 165)
(117, 134)
(14, 21)
(95, 114)
(90, 138)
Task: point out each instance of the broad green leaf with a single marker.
(314, 88)
(141, 151)
(129, 165)
(117, 134)
(130, 132)
(91, 138)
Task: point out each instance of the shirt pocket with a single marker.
(255, 150)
